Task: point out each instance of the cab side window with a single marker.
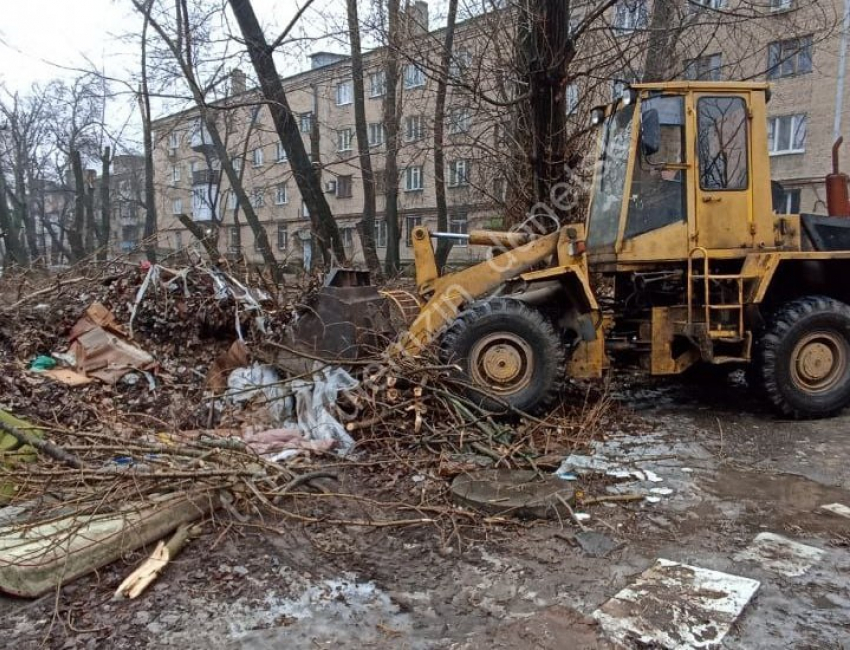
(722, 143)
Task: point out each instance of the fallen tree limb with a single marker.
(149, 570)
(41, 292)
(45, 446)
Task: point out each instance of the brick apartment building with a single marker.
(808, 93)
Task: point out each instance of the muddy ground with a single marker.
(729, 470)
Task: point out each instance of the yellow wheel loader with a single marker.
(681, 261)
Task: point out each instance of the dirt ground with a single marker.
(728, 471)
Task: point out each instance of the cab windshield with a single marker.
(609, 181)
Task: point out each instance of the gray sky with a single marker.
(40, 39)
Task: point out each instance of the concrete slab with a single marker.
(676, 606)
(837, 509)
(780, 554)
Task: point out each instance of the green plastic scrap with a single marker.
(42, 362)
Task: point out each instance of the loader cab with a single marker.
(680, 166)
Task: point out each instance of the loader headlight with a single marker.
(597, 115)
(629, 96)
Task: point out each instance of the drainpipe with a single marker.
(842, 71)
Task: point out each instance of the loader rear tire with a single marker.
(509, 350)
(802, 359)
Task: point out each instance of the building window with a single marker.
(175, 174)
(414, 76)
(201, 204)
(461, 60)
(282, 237)
(697, 5)
(257, 157)
(411, 222)
(458, 225)
(305, 122)
(571, 99)
(414, 128)
(413, 181)
(500, 189)
(305, 211)
(381, 234)
(377, 84)
(232, 201)
(786, 134)
(344, 187)
(346, 234)
(789, 202)
(177, 206)
(237, 164)
(780, 5)
(281, 196)
(376, 134)
(173, 141)
(344, 139)
(622, 81)
(458, 173)
(630, 15)
(460, 120)
(235, 239)
(789, 58)
(704, 68)
(178, 239)
(343, 93)
(281, 153)
(258, 198)
(380, 176)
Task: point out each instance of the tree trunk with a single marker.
(287, 127)
(22, 208)
(150, 233)
(444, 246)
(75, 232)
(664, 30)
(208, 241)
(549, 52)
(15, 250)
(391, 121)
(91, 223)
(366, 227)
(105, 205)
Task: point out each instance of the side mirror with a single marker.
(650, 132)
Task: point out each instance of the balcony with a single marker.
(206, 177)
(204, 201)
(200, 140)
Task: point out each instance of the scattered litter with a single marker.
(42, 363)
(665, 491)
(780, 554)
(837, 509)
(581, 516)
(676, 606)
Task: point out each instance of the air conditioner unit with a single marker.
(330, 187)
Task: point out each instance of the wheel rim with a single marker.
(503, 362)
(819, 361)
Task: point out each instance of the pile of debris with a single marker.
(140, 399)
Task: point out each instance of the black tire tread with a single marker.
(553, 346)
(768, 345)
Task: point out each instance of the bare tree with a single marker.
(444, 246)
(366, 226)
(309, 184)
(181, 45)
(392, 111)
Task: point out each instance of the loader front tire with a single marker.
(802, 359)
(510, 351)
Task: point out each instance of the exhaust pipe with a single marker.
(837, 199)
